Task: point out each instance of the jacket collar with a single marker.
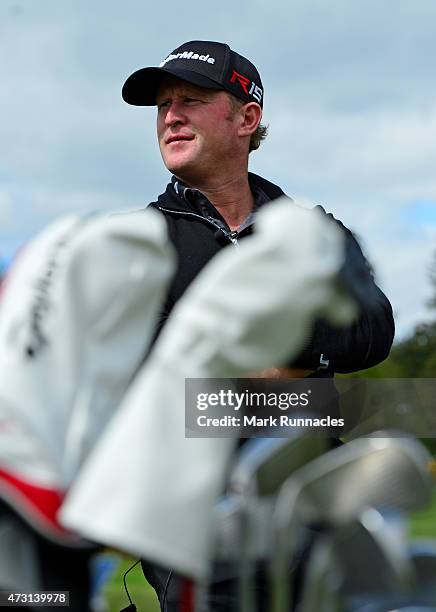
(178, 197)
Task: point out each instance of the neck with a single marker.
(232, 198)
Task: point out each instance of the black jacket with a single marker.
(198, 232)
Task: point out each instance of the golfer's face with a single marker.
(196, 128)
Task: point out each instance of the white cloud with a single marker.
(405, 277)
(387, 153)
(49, 204)
(6, 208)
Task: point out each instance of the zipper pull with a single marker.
(233, 237)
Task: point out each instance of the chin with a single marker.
(180, 167)
(185, 158)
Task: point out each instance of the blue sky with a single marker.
(349, 95)
(420, 214)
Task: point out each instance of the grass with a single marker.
(423, 523)
(140, 591)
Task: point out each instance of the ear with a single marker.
(251, 114)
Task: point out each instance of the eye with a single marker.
(192, 101)
(163, 104)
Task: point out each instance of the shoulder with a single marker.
(153, 205)
(322, 210)
(271, 190)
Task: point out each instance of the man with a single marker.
(209, 107)
(210, 101)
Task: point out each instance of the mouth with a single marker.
(178, 138)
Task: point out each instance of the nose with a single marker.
(174, 114)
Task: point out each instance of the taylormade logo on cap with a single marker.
(204, 63)
(188, 55)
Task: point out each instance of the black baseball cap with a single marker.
(205, 63)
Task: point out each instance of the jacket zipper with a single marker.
(232, 236)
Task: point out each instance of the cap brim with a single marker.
(141, 87)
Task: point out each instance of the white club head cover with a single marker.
(77, 313)
(250, 308)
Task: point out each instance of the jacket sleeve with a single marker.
(366, 342)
